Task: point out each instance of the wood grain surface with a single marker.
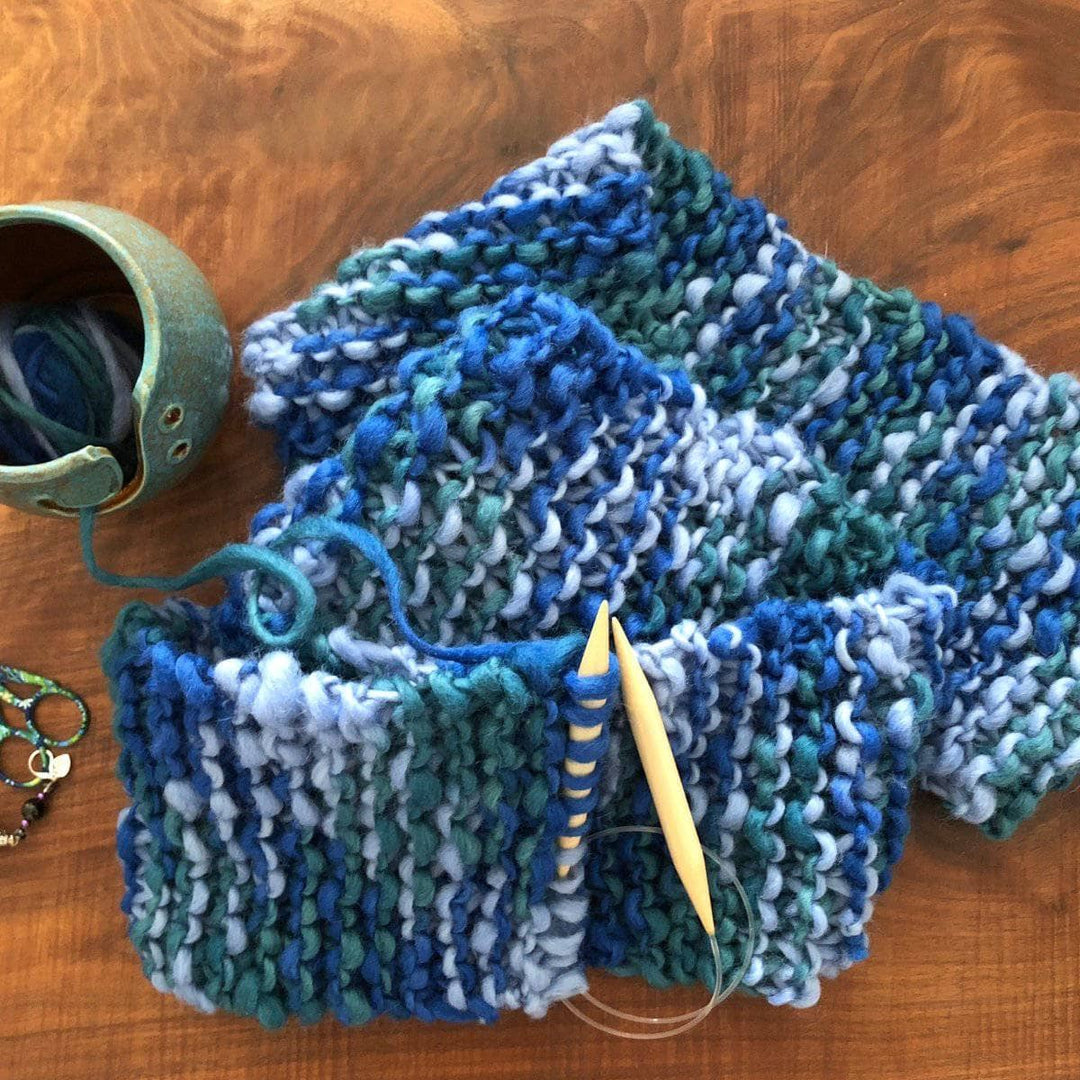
(925, 143)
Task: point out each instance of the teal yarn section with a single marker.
(838, 525)
(66, 376)
(231, 559)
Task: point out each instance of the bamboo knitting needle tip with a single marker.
(665, 784)
(594, 661)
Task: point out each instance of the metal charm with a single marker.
(53, 766)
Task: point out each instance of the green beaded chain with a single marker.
(32, 810)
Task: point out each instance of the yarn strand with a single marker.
(239, 558)
(231, 559)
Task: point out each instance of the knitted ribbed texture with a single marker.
(298, 844)
(836, 525)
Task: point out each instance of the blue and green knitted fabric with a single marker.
(837, 525)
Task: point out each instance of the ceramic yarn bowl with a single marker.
(53, 252)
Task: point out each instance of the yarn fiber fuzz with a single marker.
(838, 526)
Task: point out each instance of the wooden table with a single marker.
(937, 145)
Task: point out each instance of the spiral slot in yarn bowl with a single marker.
(63, 252)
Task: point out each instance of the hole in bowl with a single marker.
(179, 451)
(172, 417)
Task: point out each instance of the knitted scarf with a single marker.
(838, 526)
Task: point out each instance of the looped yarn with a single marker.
(839, 527)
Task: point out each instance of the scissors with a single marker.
(53, 766)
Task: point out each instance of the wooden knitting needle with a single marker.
(594, 661)
(665, 784)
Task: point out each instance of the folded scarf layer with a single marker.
(838, 526)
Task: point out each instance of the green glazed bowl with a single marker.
(52, 252)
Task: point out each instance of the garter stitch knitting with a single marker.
(838, 526)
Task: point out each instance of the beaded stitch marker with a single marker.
(53, 766)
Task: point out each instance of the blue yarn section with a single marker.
(838, 526)
(55, 390)
(57, 387)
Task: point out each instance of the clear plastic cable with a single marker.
(682, 1022)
